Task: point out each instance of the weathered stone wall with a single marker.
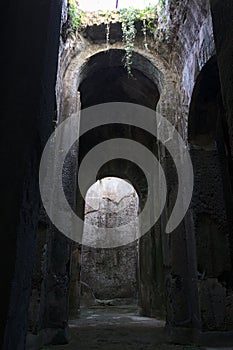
(111, 273)
(28, 73)
(209, 210)
(80, 61)
(169, 264)
(28, 77)
(160, 54)
(54, 262)
(152, 299)
(212, 245)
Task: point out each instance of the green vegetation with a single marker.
(75, 16)
(128, 18)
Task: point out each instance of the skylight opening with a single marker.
(91, 5)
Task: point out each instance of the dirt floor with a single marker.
(117, 329)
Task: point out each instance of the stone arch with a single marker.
(149, 63)
(212, 199)
(106, 70)
(148, 83)
(205, 106)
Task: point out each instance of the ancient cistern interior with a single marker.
(145, 91)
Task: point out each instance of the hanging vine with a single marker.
(75, 17)
(108, 23)
(127, 19)
(148, 17)
(144, 31)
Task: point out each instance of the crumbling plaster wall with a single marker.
(111, 273)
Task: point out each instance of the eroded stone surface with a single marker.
(111, 273)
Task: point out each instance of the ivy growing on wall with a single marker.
(75, 17)
(128, 18)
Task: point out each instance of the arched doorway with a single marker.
(104, 79)
(212, 200)
(109, 277)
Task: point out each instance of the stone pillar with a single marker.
(57, 285)
(49, 323)
(179, 266)
(152, 295)
(151, 276)
(75, 285)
